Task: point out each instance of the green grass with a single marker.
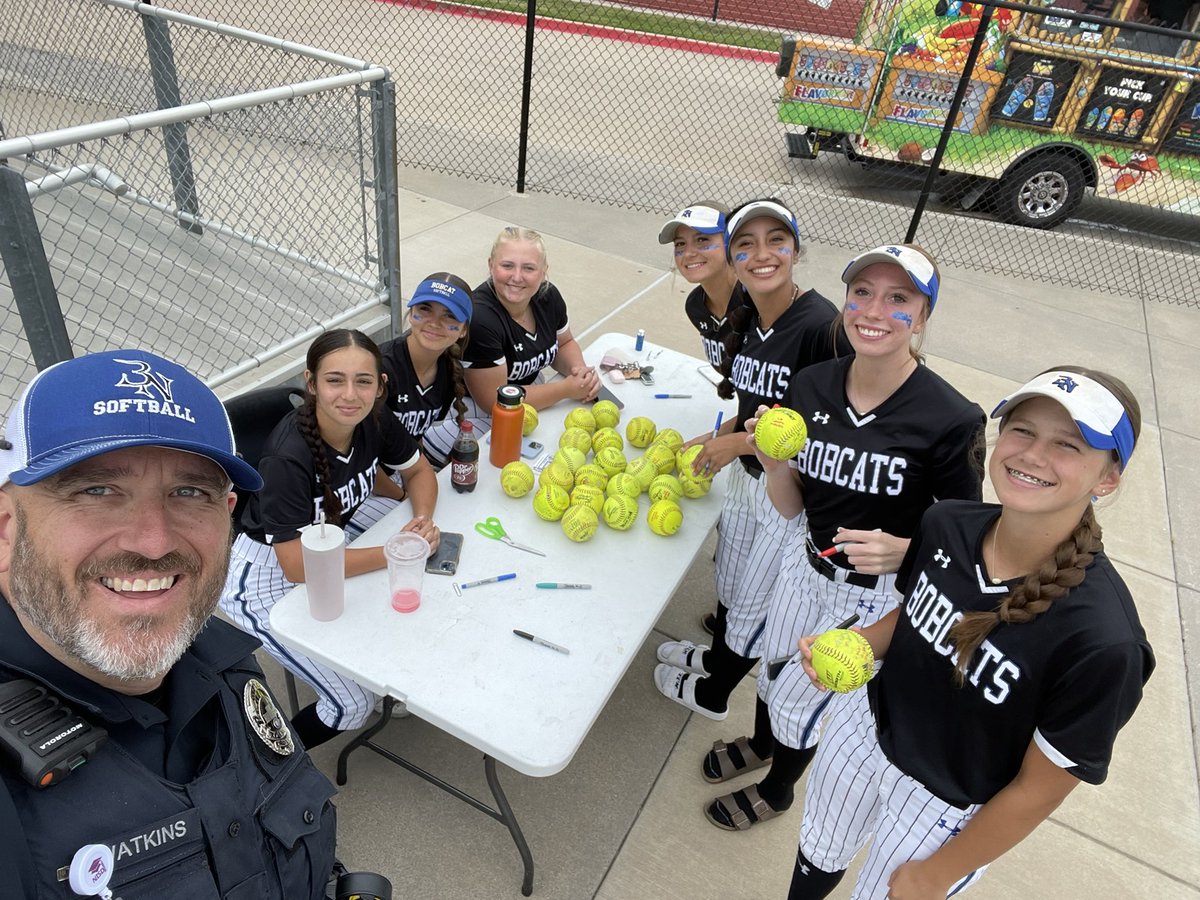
(637, 20)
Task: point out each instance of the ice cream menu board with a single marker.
(1122, 104)
(1184, 134)
(1034, 88)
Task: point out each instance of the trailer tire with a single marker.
(1041, 191)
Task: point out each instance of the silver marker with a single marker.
(537, 640)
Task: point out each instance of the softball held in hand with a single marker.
(780, 433)
(843, 660)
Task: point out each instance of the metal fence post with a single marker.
(166, 92)
(526, 91)
(955, 105)
(387, 202)
(29, 273)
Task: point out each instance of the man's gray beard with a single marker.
(139, 652)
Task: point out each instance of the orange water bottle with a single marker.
(508, 418)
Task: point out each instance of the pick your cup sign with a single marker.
(324, 549)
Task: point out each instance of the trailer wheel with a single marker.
(1041, 192)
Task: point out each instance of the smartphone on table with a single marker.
(445, 560)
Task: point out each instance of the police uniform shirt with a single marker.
(416, 405)
(885, 468)
(292, 497)
(175, 763)
(498, 340)
(713, 331)
(768, 360)
(1070, 679)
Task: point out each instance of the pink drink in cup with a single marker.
(406, 553)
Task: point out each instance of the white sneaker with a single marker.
(680, 686)
(683, 655)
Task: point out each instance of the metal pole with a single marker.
(716, 9)
(29, 274)
(166, 91)
(951, 117)
(387, 201)
(526, 90)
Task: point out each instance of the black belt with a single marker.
(752, 468)
(837, 573)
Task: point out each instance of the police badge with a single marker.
(266, 719)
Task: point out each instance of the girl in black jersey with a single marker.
(777, 331)
(698, 236)
(519, 327)
(1015, 657)
(887, 437)
(325, 458)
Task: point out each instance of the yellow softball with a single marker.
(516, 479)
(684, 460)
(623, 483)
(606, 414)
(580, 522)
(620, 512)
(577, 439)
(669, 437)
(581, 418)
(693, 487)
(640, 431)
(550, 502)
(531, 420)
(611, 460)
(590, 473)
(571, 458)
(588, 495)
(557, 474)
(662, 456)
(665, 487)
(664, 517)
(780, 433)
(643, 471)
(607, 437)
(843, 660)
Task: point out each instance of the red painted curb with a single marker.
(600, 31)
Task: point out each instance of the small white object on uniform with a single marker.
(91, 869)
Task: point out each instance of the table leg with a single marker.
(507, 817)
(503, 814)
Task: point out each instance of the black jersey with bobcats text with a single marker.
(767, 361)
(291, 496)
(1068, 680)
(497, 339)
(713, 331)
(883, 469)
(416, 405)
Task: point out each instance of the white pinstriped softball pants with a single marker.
(854, 792)
(806, 602)
(750, 538)
(254, 583)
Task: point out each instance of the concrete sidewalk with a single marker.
(624, 820)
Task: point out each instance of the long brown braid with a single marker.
(306, 415)
(1064, 569)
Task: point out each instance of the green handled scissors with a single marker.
(491, 528)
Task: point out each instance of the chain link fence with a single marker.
(219, 239)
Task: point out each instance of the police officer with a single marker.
(115, 501)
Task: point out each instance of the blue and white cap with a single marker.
(95, 404)
(755, 210)
(455, 299)
(1098, 414)
(705, 219)
(919, 267)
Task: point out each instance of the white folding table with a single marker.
(455, 661)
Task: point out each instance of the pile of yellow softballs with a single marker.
(580, 492)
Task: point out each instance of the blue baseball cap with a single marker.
(700, 216)
(921, 270)
(455, 299)
(1098, 414)
(95, 404)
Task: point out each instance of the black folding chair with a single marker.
(254, 416)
